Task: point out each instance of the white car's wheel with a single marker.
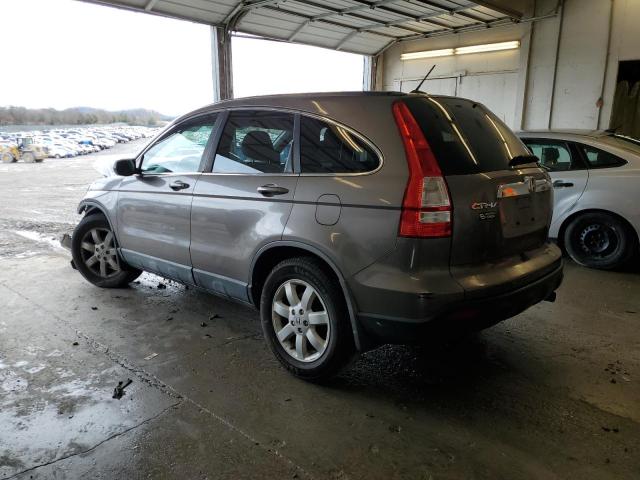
(599, 240)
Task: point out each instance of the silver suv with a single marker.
(348, 219)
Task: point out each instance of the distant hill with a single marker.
(79, 116)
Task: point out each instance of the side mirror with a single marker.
(125, 167)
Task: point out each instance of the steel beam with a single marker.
(221, 64)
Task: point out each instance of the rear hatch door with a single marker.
(498, 211)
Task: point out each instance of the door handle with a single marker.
(178, 185)
(561, 184)
(270, 190)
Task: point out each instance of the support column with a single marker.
(371, 75)
(221, 64)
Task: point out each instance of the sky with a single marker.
(79, 54)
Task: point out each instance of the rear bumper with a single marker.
(463, 315)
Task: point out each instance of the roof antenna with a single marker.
(417, 89)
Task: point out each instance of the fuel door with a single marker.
(328, 209)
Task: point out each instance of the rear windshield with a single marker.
(465, 137)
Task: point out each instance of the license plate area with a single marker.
(521, 216)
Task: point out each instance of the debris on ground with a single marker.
(75, 344)
(94, 308)
(203, 324)
(169, 319)
(161, 286)
(208, 335)
(214, 316)
(395, 428)
(149, 357)
(175, 310)
(119, 392)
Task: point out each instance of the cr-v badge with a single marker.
(490, 214)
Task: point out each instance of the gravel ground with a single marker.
(39, 200)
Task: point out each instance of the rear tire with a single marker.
(28, 157)
(599, 240)
(95, 254)
(305, 320)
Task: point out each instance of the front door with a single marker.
(568, 173)
(245, 201)
(154, 207)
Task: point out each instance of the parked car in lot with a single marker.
(348, 219)
(70, 142)
(596, 181)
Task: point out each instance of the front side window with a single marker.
(554, 155)
(256, 142)
(329, 148)
(600, 159)
(181, 151)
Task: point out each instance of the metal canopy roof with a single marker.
(359, 26)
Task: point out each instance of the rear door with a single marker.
(154, 207)
(245, 201)
(566, 169)
(497, 211)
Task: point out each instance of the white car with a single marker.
(596, 184)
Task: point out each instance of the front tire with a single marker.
(95, 254)
(305, 320)
(599, 240)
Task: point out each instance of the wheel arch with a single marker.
(273, 253)
(574, 215)
(90, 207)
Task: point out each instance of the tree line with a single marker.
(78, 116)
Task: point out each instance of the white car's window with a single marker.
(180, 152)
(553, 155)
(600, 159)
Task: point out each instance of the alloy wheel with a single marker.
(300, 320)
(99, 254)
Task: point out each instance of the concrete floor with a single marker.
(552, 393)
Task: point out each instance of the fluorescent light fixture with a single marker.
(427, 54)
(487, 47)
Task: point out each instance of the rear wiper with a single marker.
(523, 160)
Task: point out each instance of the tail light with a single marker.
(426, 208)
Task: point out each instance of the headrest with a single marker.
(550, 154)
(257, 146)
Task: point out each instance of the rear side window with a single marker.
(600, 159)
(466, 137)
(256, 142)
(329, 148)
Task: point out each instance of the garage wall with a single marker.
(554, 80)
(491, 78)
